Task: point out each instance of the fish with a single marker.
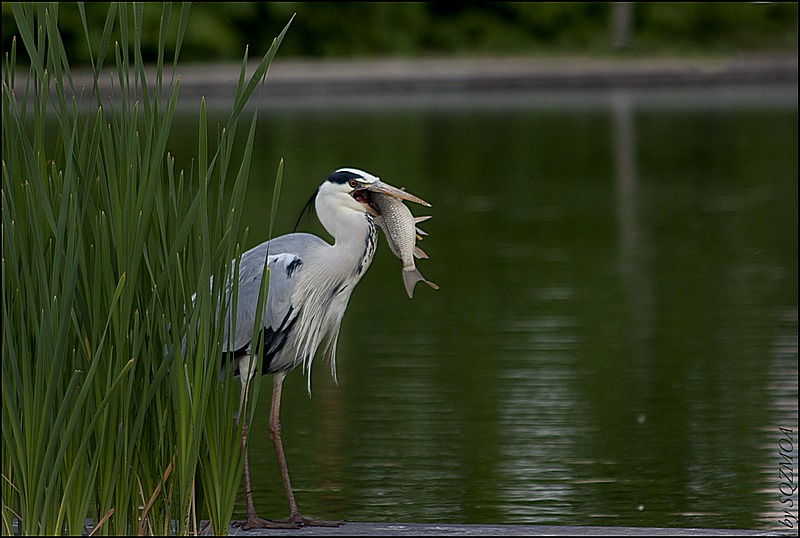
(400, 228)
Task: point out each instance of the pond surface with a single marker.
(615, 337)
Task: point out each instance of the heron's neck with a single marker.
(355, 238)
(345, 226)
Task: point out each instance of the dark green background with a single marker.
(222, 30)
(615, 337)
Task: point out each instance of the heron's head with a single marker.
(347, 188)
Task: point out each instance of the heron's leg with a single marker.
(253, 520)
(275, 434)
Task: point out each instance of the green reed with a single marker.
(115, 266)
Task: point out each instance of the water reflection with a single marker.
(615, 337)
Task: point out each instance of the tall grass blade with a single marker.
(115, 275)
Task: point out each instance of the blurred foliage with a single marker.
(221, 31)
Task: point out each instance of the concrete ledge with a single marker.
(388, 76)
(331, 81)
(421, 529)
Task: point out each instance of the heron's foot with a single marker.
(302, 521)
(255, 522)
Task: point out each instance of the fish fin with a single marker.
(417, 220)
(420, 254)
(410, 279)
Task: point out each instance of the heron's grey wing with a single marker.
(251, 268)
(284, 273)
(281, 283)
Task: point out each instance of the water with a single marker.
(615, 337)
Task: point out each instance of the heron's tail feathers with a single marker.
(410, 278)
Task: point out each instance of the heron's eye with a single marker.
(353, 183)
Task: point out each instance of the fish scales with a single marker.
(399, 227)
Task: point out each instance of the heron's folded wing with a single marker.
(249, 282)
(284, 273)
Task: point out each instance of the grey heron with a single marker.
(310, 283)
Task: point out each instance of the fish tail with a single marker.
(410, 279)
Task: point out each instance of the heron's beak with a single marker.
(385, 188)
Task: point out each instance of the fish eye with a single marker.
(353, 183)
